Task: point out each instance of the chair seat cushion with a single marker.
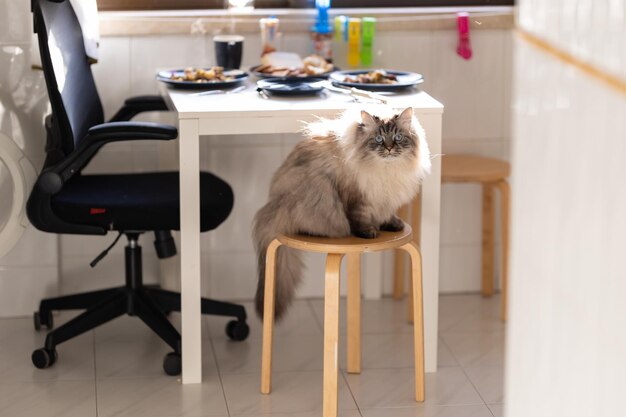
(139, 202)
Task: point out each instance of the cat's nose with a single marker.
(389, 147)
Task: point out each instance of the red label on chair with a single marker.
(97, 210)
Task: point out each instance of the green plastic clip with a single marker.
(368, 28)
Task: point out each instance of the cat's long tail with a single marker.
(289, 265)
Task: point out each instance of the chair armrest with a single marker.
(135, 105)
(52, 179)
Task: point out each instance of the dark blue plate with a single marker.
(164, 76)
(405, 80)
(290, 87)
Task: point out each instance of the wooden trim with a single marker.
(419, 3)
(184, 22)
(387, 3)
(160, 4)
(613, 81)
(298, 4)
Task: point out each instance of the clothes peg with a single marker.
(464, 49)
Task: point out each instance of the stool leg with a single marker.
(504, 198)
(488, 241)
(416, 225)
(268, 316)
(399, 262)
(418, 318)
(409, 303)
(416, 218)
(354, 313)
(331, 333)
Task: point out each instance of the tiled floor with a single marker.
(116, 369)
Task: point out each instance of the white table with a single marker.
(248, 113)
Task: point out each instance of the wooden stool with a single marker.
(335, 250)
(491, 173)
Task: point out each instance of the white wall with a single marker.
(476, 95)
(566, 342)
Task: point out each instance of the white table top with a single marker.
(250, 103)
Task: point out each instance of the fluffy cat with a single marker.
(349, 176)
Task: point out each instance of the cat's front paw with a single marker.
(395, 224)
(366, 233)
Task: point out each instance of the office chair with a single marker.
(65, 201)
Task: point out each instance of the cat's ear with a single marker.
(367, 119)
(405, 118)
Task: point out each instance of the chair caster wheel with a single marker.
(44, 358)
(45, 320)
(237, 330)
(172, 364)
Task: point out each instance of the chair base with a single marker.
(148, 302)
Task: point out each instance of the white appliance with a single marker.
(28, 258)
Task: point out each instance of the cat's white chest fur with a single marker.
(389, 187)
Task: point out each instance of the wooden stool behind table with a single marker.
(492, 174)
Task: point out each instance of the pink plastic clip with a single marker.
(464, 49)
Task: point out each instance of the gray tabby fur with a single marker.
(340, 181)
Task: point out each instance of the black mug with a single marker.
(228, 50)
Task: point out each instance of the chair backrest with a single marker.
(72, 91)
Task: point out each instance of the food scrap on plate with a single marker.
(282, 64)
(374, 77)
(199, 75)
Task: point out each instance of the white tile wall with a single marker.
(474, 92)
(566, 322)
(15, 22)
(113, 65)
(593, 31)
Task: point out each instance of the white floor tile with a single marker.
(489, 382)
(430, 411)
(298, 321)
(127, 348)
(375, 388)
(160, 397)
(383, 351)
(18, 339)
(497, 410)
(341, 413)
(445, 356)
(290, 353)
(377, 316)
(476, 348)
(50, 399)
(470, 314)
(291, 392)
(127, 358)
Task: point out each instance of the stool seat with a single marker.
(472, 168)
(351, 244)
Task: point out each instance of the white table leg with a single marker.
(189, 151)
(431, 195)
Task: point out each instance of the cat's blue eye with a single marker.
(379, 139)
(398, 137)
